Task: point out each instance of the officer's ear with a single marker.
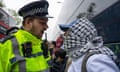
(28, 21)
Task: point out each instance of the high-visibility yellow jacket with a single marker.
(1, 69)
(12, 58)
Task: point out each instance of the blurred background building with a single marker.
(103, 13)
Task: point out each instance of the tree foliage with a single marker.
(15, 16)
(2, 4)
(89, 12)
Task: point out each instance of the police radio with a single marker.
(44, 47)
(27, 49)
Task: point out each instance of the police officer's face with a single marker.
(38, 26)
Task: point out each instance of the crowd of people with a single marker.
(79, 49)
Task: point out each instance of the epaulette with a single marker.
(12, 30)
(8, 37)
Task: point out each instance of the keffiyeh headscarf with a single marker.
(83, 38)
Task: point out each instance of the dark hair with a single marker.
(54, 43)
(60, 53)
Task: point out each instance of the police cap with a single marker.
(36, 8)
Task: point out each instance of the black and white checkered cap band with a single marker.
(35, 11)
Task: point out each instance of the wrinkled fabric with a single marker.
(83, 38)
(1, 70)
(96, 63)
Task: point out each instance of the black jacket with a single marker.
(58, 66)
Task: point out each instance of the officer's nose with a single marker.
(45, 27)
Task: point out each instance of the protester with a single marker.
(52, 46)
(64, 28)
(59, 41)
(59, 62)
(81, 40)
(22, 51)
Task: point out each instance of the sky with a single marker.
(54, 10)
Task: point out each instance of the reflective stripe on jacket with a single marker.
(12, 56)
(1, 70)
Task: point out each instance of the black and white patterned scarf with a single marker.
(82, 37)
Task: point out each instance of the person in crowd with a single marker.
(82, 41)
(52, 46)
(59, 41)
(64, 28)
(59, 62)
(22, 51)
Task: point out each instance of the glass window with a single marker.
(3, 30)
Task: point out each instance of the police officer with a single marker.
(22, 51)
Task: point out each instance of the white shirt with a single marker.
(96, 63)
